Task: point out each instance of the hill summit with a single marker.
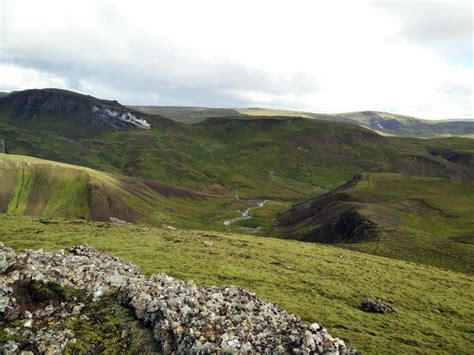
(68, 113)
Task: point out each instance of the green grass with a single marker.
(438, 234)
(277, 157)
(420, 219)
(319, 283)
(426, 220)
(102, 330)
(37, 187)
(24, 180)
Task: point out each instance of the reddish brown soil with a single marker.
(6, 191)
(217, 189)
(37, 200)
(105, 204)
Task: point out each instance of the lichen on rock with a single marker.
(182, 316)
(375, 305)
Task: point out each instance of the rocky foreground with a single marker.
(183, 318)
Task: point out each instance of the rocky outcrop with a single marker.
(184, 318)
(68, 113)
(375, 305)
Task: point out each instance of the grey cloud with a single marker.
(432, 20)
(445, 25)
(207, 84)
(159, 70)
(112, 57)
(127, 61)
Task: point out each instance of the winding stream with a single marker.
(246, 214)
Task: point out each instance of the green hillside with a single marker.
(48, 189)
(187, 114)
(399, 125)
(235, 163)
(68, 114)
(317, 282)
(420, 219)
(276, 157)
(382, 122)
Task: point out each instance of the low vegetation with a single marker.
(37, 187)
(319, 283)
(101, 325)
(420, 219)
(401, 228)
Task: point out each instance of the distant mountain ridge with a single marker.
(401, 125)
(381, 122)
(91, 115)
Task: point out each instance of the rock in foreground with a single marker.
(375, 305)
(182, 316)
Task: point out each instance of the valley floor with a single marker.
(317, 282)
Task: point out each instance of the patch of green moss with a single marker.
(24, 183)
(103, 326)
(69, 198)
(106, 327)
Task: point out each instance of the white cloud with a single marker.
(17, 78)
(318, 56)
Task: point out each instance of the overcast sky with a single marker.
(407, 57)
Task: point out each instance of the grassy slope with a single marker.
(281, 158)
(187, 114)
(44, 188)
(421, 219)
(278, 158)
(319, 283)
(394, 124)
(285, 158)
(381, 122)
(439, 233)
(426, 220)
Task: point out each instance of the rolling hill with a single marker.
(235, 163)
(381, 122)
(426, 220)
(276, 157)
(187, 114)
(67, 113)
(399, 125)
(36, 187)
